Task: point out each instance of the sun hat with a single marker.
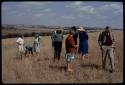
(81, 29)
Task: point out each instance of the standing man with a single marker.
(106, 43)
(20, 42)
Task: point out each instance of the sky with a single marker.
(64, 13)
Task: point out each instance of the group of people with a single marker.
(105, 40)
(26, 49)
(72, 46)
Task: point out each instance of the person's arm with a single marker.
(72, 43)
(18, 41)
(86, 35)
(100, 40)
(113, 40)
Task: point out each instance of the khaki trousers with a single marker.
(108, 50)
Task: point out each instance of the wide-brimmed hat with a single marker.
(81, 29)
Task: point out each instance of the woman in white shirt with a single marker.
(20, 42)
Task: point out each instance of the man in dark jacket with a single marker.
(106, 43)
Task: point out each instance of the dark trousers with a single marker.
(57, 49)
(28, 50)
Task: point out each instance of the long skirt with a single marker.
(83, 47)
(36, 47)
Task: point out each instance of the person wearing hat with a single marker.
(36, 44)
(57, 44)
(83, 42)
(70, 50)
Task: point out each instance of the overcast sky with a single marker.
(64, 13)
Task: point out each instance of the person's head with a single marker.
(107, 29)
(36, 35)
(21, 36)
(74, 28)
(70, 32)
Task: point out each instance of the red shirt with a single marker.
(108, 40)
(70, 42)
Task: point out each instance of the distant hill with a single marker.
(22, 26)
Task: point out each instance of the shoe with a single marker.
(111, 71)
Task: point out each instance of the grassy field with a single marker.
(41, 69)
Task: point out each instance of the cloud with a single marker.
(74, 4)
(35, 3)
(88, 9)
(77, 3)
(47, 10)
(5, 9)
(67, 17)
(20, 14)
(38, 15)
(115, 6)
(79, 6)
(53, 14)
(32, 3)
(111, 7)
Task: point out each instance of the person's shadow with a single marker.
(61, 68)
(91, 65)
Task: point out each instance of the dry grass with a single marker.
(42, 70)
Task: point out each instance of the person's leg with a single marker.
(54, 56)
(104, 49)
(37, 53)
(59, 51)
(83, 56)
(111, 55)
(21, 51)
(32, 51)
(25, 52)
(28, 52)
(69, 67)
(55, 51)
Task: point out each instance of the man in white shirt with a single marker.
(20, 42)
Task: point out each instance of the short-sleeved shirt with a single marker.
(20, 41)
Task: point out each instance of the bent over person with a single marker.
(106, 42)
